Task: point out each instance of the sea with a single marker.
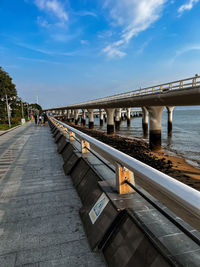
(185, 139)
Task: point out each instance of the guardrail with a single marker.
(156, 89)
(127, 167)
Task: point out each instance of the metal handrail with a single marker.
(148, 90)
(186, 196)
(156, 89)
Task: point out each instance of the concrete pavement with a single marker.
(39, 219)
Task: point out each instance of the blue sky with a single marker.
(70, 51)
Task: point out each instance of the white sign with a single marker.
(98, 207)
(23, 121)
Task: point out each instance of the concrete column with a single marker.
(101, 117)
(76, 116)
(145, 119)
(83, 118)
(91, 118)
(72, 115)
(155, 114)
(110, 120)
(170, 116)
(68, 115)
(117, 118)
(128, 116)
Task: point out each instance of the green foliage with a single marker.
(7, 87)
(36, 107)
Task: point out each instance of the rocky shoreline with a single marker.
(175, 167)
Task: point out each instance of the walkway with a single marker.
(39, 219)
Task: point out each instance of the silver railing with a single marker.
(186, 196)
(156, 89)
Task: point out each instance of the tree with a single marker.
(36, 106)
(7, 87)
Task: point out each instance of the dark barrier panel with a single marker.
(71, 162)
(58, 136)
(56, 132)
(79, 172)
(88, 189)
(67, 151)
(128, 246)
(98, 219)
(62, 143)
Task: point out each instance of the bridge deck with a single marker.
(39, 219)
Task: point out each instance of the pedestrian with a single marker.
(35, 117)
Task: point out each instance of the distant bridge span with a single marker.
(151, 99)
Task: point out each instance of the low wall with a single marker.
(125, 228)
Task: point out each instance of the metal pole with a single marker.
(22, 110)
(8, 111)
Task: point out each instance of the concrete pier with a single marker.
(110, 120)
(117, 118)
(83, 118)
(155, 114)
(101, 117)
(68, 115)
(170, 117)
(76, 116)
(145, 119)
(72, 115)
(128, 116)
(91, 118)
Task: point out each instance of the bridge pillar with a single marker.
(101, 117)
(91, 118)
(170, 115)
(68, 115)
(117, 118)
(145, 119)
(76, 116)
(128, 116)
(72, 115)
(155, 114)
(83, 118)
(110, 120)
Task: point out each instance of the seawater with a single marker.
(185, 139)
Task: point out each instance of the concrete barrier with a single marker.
(58, 137)
(126, 228)
(71, 162)
(62, 144)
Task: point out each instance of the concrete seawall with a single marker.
(127, 229)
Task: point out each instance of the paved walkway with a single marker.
(39, 219)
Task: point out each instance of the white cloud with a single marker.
(47, 52)
(180, 52)
(86, 13)
(188, 6)
(133, 17)
(113, 52)
(84, 42)
(54, 7)
(43, 22)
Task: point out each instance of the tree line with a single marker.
(8, 90)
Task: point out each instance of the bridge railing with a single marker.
(157, 89)
(186, 196)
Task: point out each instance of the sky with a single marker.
(68, 51)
